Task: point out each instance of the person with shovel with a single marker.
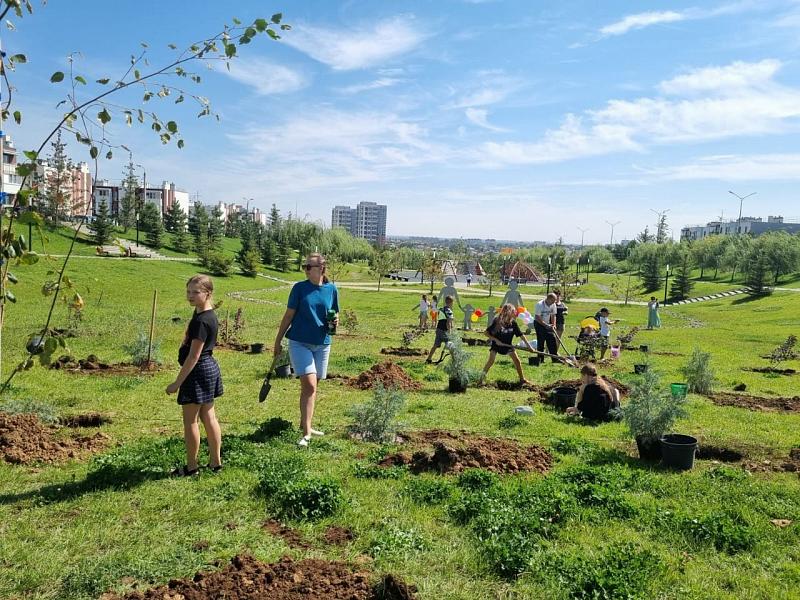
(502, 332)
(544, 324)
(311, 316)
(443, 327)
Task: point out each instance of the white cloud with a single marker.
(346, 49)
(768, 167)
(382, 82)
(743, 102)
(641, 20)
(478, 116)
(732, 77)
(489, 88)
(266, 77)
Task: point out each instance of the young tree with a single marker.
(380, 264)
(234, 225)
(662, 230)
(102, 231)
(148, 217)
(129, 200)
(756, 275)
(247, 257)
(198, 227)
(155, 232)
(682, 283)
(335, 267)
(282, 255)
(269, 250)
(180, 237)
(491, 265)
(650, 273)
(58, 180)
(645, 236)
(216, 229)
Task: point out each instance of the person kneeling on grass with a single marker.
(502, 332)
(443, 327)
(596, 399)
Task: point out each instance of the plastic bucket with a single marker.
(456, 387)
(256, 348)
(615, 351)
(649, 448)
(678, 390)
(564, 397)
(283, 371)
(677, 451)
(644, 348)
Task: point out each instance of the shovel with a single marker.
(267, 386)
(567, 360)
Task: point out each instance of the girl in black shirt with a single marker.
(199, 382)
(595, 397)
(502, 332)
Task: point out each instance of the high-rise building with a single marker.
(367, 220)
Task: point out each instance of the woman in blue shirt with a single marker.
(305, 324)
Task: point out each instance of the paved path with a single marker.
(709, 297)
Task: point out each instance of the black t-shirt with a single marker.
(595, 403)
(445, 314)
(203, 326)
(504, 334)
(561, 310)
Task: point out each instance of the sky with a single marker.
(505, 119)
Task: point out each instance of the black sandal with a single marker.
(185, 471)
(215, 469)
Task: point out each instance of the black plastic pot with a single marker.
(564, 397)
(533, 361)
(677, 451)
(644, 348)
(639, 369)
(256, 348)
(456, 387)
(283, 371)
(649, 448)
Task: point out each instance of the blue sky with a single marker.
(508, 119)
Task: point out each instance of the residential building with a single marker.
(367, 220)
(254, 214)
(163, 197)
(10, 180)
(752, 225)
(343, 216)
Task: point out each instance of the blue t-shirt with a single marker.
(311, 304)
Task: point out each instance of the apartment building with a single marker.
(367, 220)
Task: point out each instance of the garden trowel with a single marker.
(266, 386)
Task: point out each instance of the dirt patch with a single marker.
(512, 386)
(772, 370)
(234, 346)
(575, 384)
(24, 440)
(758, 403)
(705, 452)
(93, 365)
(386, 373)
(337, 535)
(246, 578)
(404, 351)
(448, 452)
(292, 537)
(790, 464)
(91, 419)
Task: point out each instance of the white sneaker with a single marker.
(303, 443)
(316, 432)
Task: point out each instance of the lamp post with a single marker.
(613, 224)
(140, 206)
(577, 264)
(549, 265)
(741, 199)
(588, 267)
(666, 282)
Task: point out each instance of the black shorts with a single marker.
(504, 350)
(203, 384)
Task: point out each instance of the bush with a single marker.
(428, 490)
(785, 351)
(651, 411)
(457, 366)
(46, 413)
(249, 263)
(376, 420)
(698, 372)
(218, 264)
(511, 421)
(137, 350)
(601, 487)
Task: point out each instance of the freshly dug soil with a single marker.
(770, 370)
(404, 351)
(292, 537)
(791, 464)
(90, 419)
(512, 386)
(447, 452)
(246, 578)
(92, 365)
(24, 440)
(235, 346)
(575, 384)
(336, 535)
(388, 374)
(759, 403)
(705, 452)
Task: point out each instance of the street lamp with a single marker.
(588, 267)
(144, 200)
(549, 265)
(613, 224)
(741, 199)
(577, 264)
(666, 281)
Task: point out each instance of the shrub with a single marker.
(457, 366)
(428, 490)
(349, 320)
(650, 411)
(785, 351)
(46, 413)
(601, 487)
(218, 264)
(698, 372)
(137, 350)
(249, 263)
(376, 420)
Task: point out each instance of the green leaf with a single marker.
(165, 138)
(80, 79)
(25, 169)
(24, 196)
(172, 46)
(128, 118)
(261, 25)
(29, 258)
(17, 117)
(93, 152)
(271, 33)
(179, 99)
(230, 50)
(10, 296)
(276, 18)
(104, 117)
(50, 345)
(109, 155)
(19, 58)
(103, 81)
(180, 144)
(147, 96)
(21, 241)
(236, 21)
(140, 116)
(31, 154)
(9, 251)
(30, 217)
(172, 126)
(136, 74)
(57, 77)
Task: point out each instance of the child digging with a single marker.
(502, 332)
(199, 382)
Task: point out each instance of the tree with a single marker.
(129, 200)
(662, 230)
(148, 217)
(335, 267)
(644, 237)
(247, 257)
(180, 237)
(171, 216)
(216, 229)
(431, 267)
(380, 264)
(269, 250)
(756, 275)
(491, 265)
(198, 227)
(682, 283)
(101, 226)
(155, 231)
(58, 181)
(282, 255)
(781, 251)
(234, 224)
(274, 218)
(650, 273)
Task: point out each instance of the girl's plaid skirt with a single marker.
(203, 384)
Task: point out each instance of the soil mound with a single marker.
(292, 537)
(386, 373)
(404, 351)
(91, 419)
(92, 364)
(338, 536)
(446, 452)
(246, 578)
(24, 440)
(758, 403)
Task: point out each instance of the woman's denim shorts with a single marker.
(309, 358)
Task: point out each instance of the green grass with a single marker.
(78, 529)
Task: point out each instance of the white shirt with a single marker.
(546, 312)
(604, 330)
(423, 306)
